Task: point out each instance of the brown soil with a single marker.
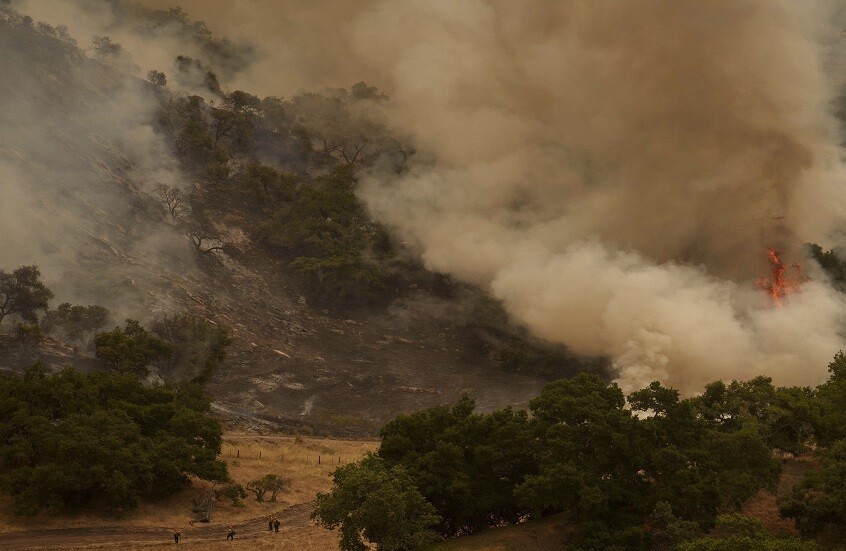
(764, 504)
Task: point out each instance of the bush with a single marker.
(740, 533)
(333, 243)
(131, 349)
(197, 345)
(234, 492)
(268, 483)
(818, 503)
(75, 323)
(29, 334)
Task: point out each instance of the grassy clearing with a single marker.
(249, 456)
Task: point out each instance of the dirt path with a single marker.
(122, 537)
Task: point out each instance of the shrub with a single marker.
(131, 349)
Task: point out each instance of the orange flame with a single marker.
(780, 285)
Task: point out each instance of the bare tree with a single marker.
(174, 199)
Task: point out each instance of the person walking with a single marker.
(231, 534)
(176, 535)
(276, 524)
(270, 523)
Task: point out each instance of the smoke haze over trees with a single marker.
(612, 173)
(614, 191)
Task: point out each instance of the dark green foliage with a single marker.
(740, 533)
(667, 529)
(22, 293)
(332, 241)
(75, 323)
(829, 261)
(268, 185)
(831, 401)
(197, 346)
(699, 464)
(130, 349)
(785, 417)
(321, 219)
(818, 503)
(344, 279)
(592, 452)
(73, 441)
(232, 491)
(599, 536)
(465, 465)
(317, 224)
(189, 123)
(628, 482)
(519, 355)
(373, 502)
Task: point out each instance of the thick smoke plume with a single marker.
(611, 170)
(79, 159)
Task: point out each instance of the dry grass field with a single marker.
(249, 456)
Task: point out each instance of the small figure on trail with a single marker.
(176, 535)
(231, 534)
(276, 524)
(270, 522)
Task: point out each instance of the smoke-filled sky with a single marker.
(612, 170)
(79, 157)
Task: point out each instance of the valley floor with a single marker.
(249, 456)
(308, 462)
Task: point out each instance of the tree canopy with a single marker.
(376, 503)
(22, 293)
(130, 349)
(71, 441)
(643, 471)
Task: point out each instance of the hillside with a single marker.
(83, 175)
